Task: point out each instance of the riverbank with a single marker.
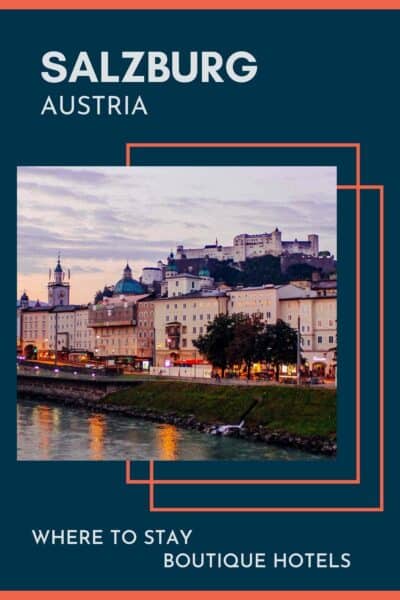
(297, 417)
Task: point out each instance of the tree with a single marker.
(100, 295)
(301, 271)
(244, 345)
(278, 345)
(214, 345)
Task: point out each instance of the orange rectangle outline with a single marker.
(357, 187)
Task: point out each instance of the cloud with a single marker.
(101, 216)
(84, 175)
(79, 269)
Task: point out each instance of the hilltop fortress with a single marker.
(252, 245)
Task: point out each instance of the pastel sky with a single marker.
(100, 217)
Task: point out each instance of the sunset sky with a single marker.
(100, 217)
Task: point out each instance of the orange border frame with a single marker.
(199, 5)
(357, 187)
(198, 594)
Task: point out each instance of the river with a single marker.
(47, 431)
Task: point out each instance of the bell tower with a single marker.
(58, 286)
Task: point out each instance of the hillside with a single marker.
(256, 271)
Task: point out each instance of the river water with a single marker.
(51, 432)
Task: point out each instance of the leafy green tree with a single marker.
(244, 345)
(98, 297)
(260, 270)
(277, 345)
(106, 293)
(301, 271)
(215, 344)
(253, 271)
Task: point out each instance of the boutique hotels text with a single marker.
(133, 67)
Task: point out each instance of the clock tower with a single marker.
(58, 287)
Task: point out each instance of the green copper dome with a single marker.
(171, 263)
(127, 285)
(172, 267)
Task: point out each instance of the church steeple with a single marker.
(24, 300)
(127, 272)
(58, 272)
(58, 287)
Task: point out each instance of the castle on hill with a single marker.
(247, 245)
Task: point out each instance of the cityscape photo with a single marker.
(176, 313)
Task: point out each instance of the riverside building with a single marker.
(140, 329)
(57, 327)
(123, 325)
(181, 318)
(310, 309)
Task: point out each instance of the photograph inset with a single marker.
(176, 313)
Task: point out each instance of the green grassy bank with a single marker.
(302, 411)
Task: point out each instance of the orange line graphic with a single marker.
(357, 187)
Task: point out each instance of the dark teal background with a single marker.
(323, 76)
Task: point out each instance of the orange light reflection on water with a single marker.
(167, 441)
(97, 430)
(47, 420)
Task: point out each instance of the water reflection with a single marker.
(46, 421)
(50, 432)
(167, 442)
(97, 430)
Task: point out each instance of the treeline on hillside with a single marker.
(259, 271)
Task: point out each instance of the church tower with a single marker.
(58, 287)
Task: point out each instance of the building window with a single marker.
(176, 283)
(330, 339)
(194, 317)
(184, 342)
(183, 317)
(167, 318)
(330, 322)
(194, 330)
(184, 329)
(308, 342)
(201, 317)
(192, 285)
(319, 339)
(319, 323)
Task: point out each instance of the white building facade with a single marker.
(180, 320)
